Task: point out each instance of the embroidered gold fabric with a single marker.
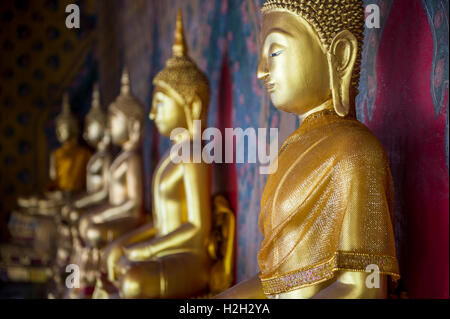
(328, 207)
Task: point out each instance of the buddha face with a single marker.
(93, 133)
(167, 113)
(293, 63)
(118, 126)
(64, 131)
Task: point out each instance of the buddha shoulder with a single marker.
(327, 153)
(353, 141)
(342, 140)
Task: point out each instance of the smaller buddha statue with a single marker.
(67, 166)
(68, 162)
(188, 249)
(33, 224)
(123, 210)
(327, 211)
(97, 136)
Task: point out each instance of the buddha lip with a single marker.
(269, 87)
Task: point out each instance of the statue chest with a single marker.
(169, 197)
(95, 178)
(118, 178)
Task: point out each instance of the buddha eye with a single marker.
(277, 53)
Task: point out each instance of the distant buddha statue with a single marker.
(96, 135)
(67, 168)
(327, 212)
(96, 191)
(32, 225)
(188, 249)
(122, 210)
(68, 163)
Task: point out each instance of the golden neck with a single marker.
(328, 104)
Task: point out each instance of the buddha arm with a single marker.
(352, 285)
(249, 289)
(115, 251)
(52, 174)
(88, 199)
(145, 250)
(116, 211)
(134, 193)
(197, 190)
(52, 168)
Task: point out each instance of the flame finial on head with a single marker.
(126, 103)
(96, 113)
(95, 97)
(181, 76)
(125, 82)
(65, 105)
(179, 46)
(66, 116)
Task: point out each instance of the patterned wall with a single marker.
(404, 101)
(40, 58)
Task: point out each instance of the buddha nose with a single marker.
(262, 71)
(152, 114)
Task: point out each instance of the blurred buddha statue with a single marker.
(122, 211)
(67, 168)
(327, 212)
(68, 162)
(97, 136)
(32, 225)
(183, 253)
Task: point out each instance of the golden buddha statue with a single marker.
(327, 211)
(67, 167)
(68, 163)
(122, 211)
(187, 251)
(97, 136)
(32, 226)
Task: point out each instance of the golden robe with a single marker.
(70, 162)
(328, 207)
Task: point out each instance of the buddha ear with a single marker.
(135, 130)
(196, 108)
(341, 61)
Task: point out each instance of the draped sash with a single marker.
(328, 207)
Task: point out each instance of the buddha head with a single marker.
(95, 123)
(311, 53)
(66, 123)
(126, 116)
(181, 93)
